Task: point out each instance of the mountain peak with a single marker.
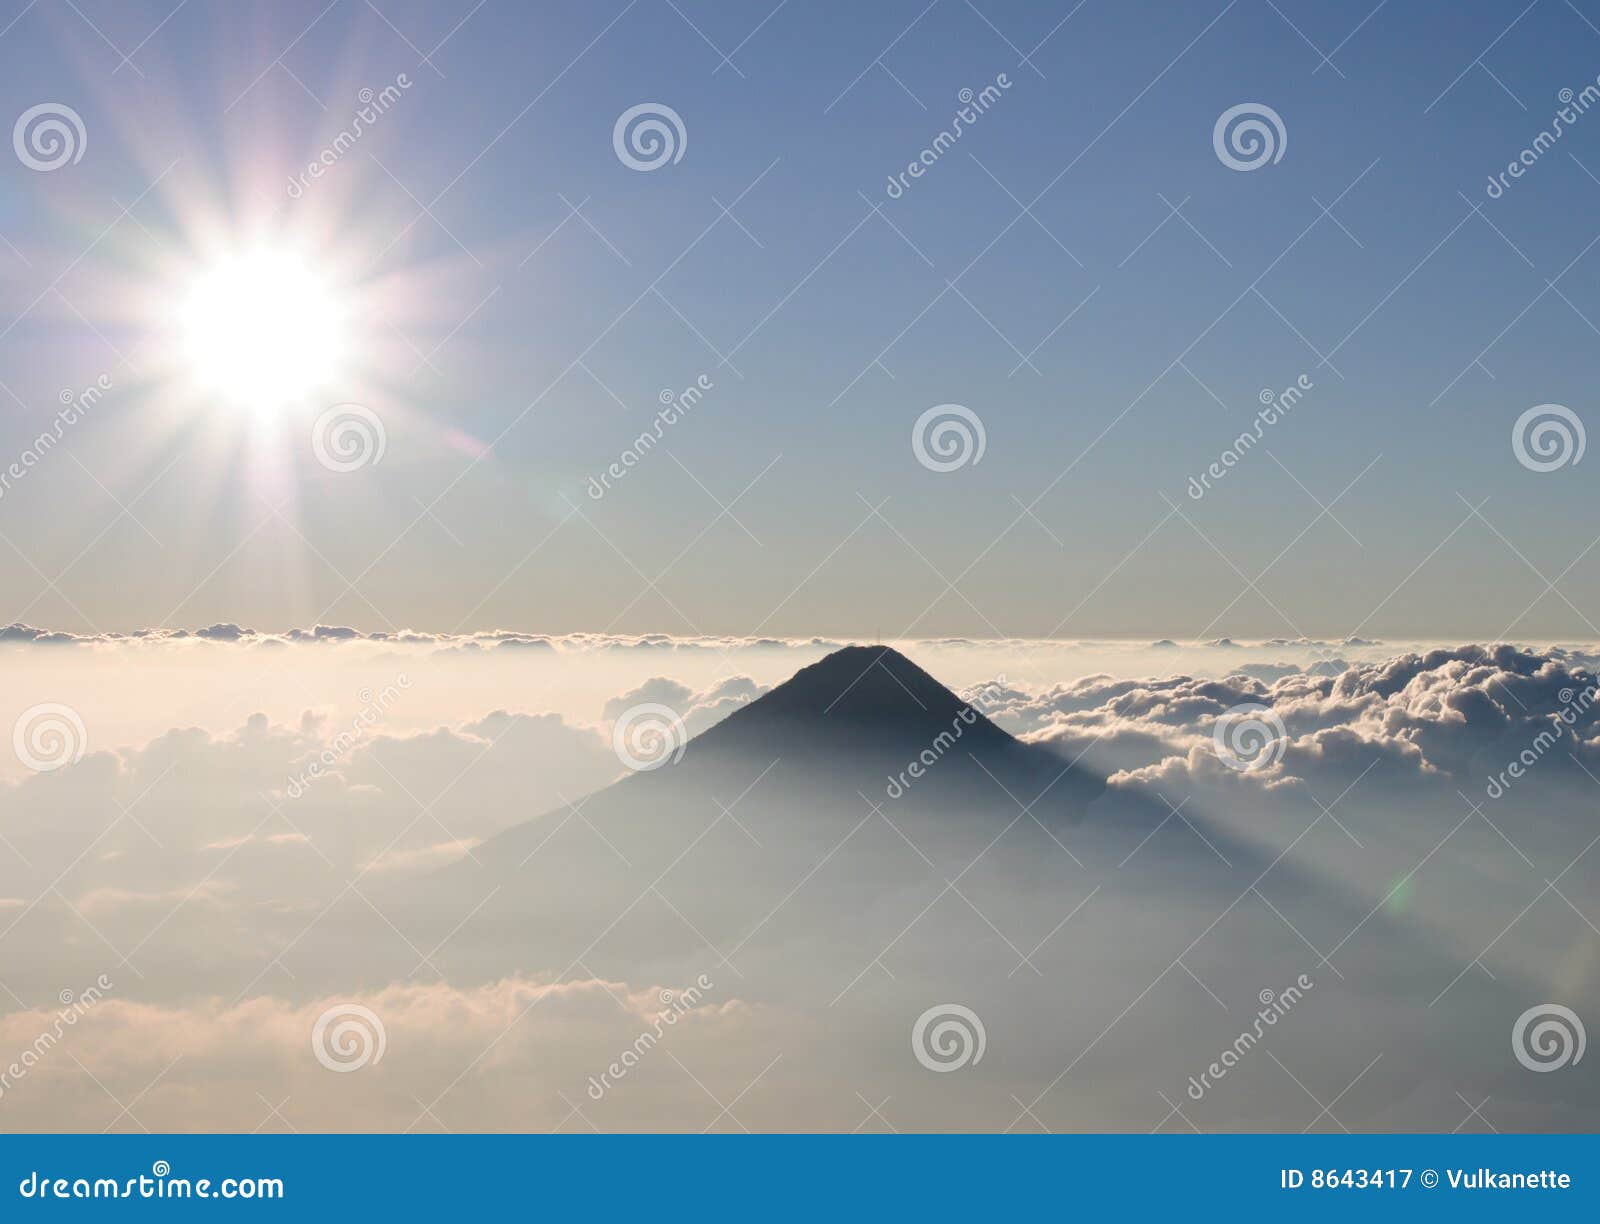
(858, 697)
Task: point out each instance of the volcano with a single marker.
(862, 766)
(864, 723)
(859, 697)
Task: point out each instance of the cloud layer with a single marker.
(235, 885)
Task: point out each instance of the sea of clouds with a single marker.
(188, 853)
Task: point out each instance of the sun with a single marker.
(261, 328)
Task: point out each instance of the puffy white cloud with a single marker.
(699, 710)
(1460, 712)
(506, 1054)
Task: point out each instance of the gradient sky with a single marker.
(827, 328)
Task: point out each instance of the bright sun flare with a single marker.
(262, 329)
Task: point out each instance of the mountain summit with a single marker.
(858, 699)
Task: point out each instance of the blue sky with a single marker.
(1426, 328)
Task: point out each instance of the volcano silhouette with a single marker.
(862, 766)
(867, 722)
(861, 700)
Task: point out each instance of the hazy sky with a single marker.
(517, 297)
